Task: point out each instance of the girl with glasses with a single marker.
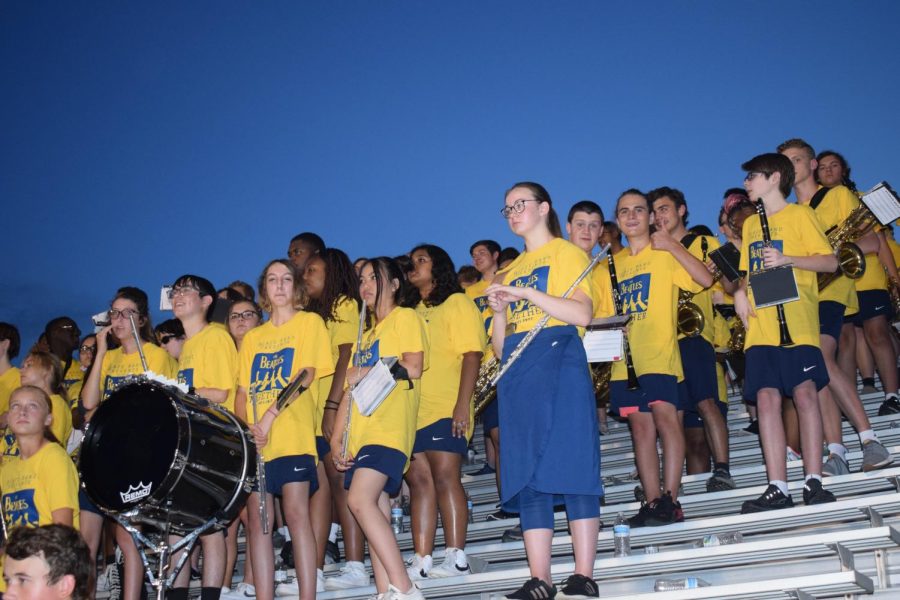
(114, 366)
(548, 418)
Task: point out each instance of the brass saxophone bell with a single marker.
(690, 318)
(851, 260)
(485, 391)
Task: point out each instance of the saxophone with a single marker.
(690, 318)
(485, 391)
(851, 260)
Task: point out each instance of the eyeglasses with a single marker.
(165, 339)
(518, 206)
(123, 314)
(87, 348)
(752, 175)
(247, 315)
(181, 291)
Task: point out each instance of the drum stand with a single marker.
(160, 546)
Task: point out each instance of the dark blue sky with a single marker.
(142, 141)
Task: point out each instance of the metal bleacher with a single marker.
(846, 549)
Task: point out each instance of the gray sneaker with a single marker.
(835, 465)
(875, 456)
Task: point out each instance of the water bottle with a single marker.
(682, 583)
(622, 536)
(722, 539)
(396, 518)
(470, 508)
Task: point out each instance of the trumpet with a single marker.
(851, 260)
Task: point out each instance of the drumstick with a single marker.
(137, 339)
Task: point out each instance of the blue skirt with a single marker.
(549, 436)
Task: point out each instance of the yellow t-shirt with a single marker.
(9, 381)
(895, 249)
(648, 288)
(393, 424)
(343, 329)
(603, 302)
(73, 380)
(832, 211)
(454, 328)
(552, 269)
(703, 299)
(209, 360)
(117, 366)
(875, 277)
(476, 292)
(795, 231)
(33, 488)
(270, 357)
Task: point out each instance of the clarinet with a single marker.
(620, 310)
(767, 242)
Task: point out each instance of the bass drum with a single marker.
(166, 455)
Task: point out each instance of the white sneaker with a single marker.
(241, 591)
(320, 580)
(288, 588)
(353, 575)
(419, 566)
(413, 594)
(455, 563)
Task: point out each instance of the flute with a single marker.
(260, 470)
(620, 310)
(767, 242)
(527, 339)
(345, 439)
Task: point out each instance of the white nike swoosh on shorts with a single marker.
(805, 369)
(296, 470)
(359, 458)
(434, 439)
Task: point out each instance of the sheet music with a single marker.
(603, 345)
(373, 389)
(883, 203)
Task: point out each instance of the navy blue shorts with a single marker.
(439, 436)
(783, 368)
(322, 447)
(291, 469)
(490, 416)
(692, 418)
(831, 318)
(388, 461)
(698, 359)
(873, 303)
(653, 388)
(85, 504)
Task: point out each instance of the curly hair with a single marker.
(443, 275)
(340, 281)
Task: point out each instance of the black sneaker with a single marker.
(720, 481)
(664, 511)
(771, 499)
(814, 493)
(890, 406)
(513, 534)
(332, 550)
(534, 589)
(640, 519)
(578, 587)
(500, 515)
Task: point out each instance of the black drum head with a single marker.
(129, 446)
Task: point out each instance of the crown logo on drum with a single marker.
(135, 493)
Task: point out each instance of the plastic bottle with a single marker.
(397, 517)
(682, 583)
(722, 539)
(622, 536)
(470, 509)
